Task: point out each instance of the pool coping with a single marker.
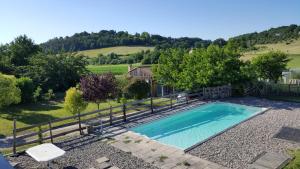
(223, 131)
(207, 139)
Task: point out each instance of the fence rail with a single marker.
(109, 116)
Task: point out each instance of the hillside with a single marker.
(119, 50)
(271, 36)
(111, 38)
(291, 47)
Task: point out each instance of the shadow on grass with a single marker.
(29, 113)
(2, 136)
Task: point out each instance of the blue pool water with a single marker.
(195, 125)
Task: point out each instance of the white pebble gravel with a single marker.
(239, 146)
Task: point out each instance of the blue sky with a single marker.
(207, 19)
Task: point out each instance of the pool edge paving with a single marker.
(160, 155)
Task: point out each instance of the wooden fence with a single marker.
(48, 131)
(271, 89)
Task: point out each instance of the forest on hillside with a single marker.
(109, 38)
(273, 35)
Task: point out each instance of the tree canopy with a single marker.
(74, 102)
(199, 68)
(109, 38)
(273, 35)
(270, 65)
(97, 88)
(138, 89)
(10, 93)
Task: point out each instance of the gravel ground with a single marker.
(82, 153)
(239, 146)
(235, 148)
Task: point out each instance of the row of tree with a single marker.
(144, 57)
(216, 66)
(108, 38)
(35, 74)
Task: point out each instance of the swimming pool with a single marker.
(193, 126)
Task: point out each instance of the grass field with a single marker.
(120, 50)
(115, 69)
(292, 49)
(42, 112)
(36, 113)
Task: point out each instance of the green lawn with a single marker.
(120, 50)
(37, 113)
(115, 69)
(295, 61)
(295, 163)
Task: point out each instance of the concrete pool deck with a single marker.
(160, 155)
(239, 146)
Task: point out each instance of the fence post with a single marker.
(50, 130)
(110, 115)
(186, 99)
(171, 103)
(124, 112)
(151, 102)
(79, 124)
(40, 135)
(14, 137)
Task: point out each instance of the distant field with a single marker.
(115, 69)
(292, 49)
(120, 50)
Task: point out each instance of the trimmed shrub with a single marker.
(27, 89)
(137, 89)
(9, 92)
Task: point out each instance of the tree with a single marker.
(138, 89)
(74, 102)
(21, 49)
(10, 93)
(270, 65)
(169, 67)
(27, 88)
(97, 88)
(58, 72)
(209, 67)
(199, 68)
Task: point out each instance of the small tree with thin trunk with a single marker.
(98, 88)
(74, 102)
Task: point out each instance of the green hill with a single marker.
(292, 48)
(120, 50)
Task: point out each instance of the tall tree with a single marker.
(21, 49)
(270, 65)
(209, 67)
(169, 67)
(58, 72)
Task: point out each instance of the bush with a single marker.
(49, 95)
(74, 102)
(137, 89)
(9, 92)
(37, 94)
(27, 89)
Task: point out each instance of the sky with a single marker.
(42, 20)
